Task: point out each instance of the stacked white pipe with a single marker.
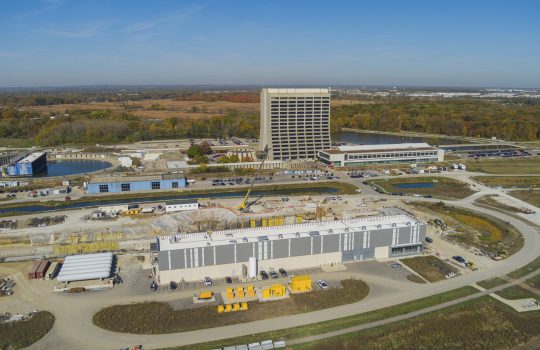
(86, 267)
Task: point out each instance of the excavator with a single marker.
(244, 207)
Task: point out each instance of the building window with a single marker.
(175, 184)
(125, 187)
(103, 188)
(156, 185)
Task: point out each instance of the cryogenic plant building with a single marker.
(193, 256)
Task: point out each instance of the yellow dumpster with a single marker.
(251, 291)
(220, 309)
(243, 306)
(205, 295)
(228, 308)
(236, 307)
(230, 293)
(300, 284)
(240, 293)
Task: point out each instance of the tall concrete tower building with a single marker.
(295, 123)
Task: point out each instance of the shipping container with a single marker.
(56, 270)
(32, 272)
(42, 270)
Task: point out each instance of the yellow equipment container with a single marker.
(243, 306)
(236, 307)
(264, 222)
(228, 308)
(300, 284)
(206, 295)
(250, 291)
(299, 219)
(240, 293)
(277, 290)
(220, 309)
(253, 223)
(230, 293)
(279, 220)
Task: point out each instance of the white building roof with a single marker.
(297, 91)
(31, 157)
(245, 235)
(383, 147)
(86, 267)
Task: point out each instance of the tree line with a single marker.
(506, 119)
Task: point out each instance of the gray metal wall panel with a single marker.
(404, 235)
(225, 254)
(281, 248)
(358, 236)
(316, 244)
(163, 261)
(300, 246)
(331, 244)
(177, 259)
(244, 251)
(422, 229)
(381, 238)
(358, 254)
(208, 256)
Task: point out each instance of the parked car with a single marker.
(429, 239)
(153, 286)
(322, 284)
(264, 275)
(207, 282)
(173, 285)
(274, 274)
(459, 259)
(396, 266)
(282, 272)
(228, 280)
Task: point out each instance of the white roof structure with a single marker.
(86, 267)
(31, 157)
(245, 235)
(297, 90)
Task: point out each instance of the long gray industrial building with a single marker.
(193, 256)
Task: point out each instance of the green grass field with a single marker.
(443, 187)
(532, 197)
(476, 325)
(428, 267)
(529, 165)
(511, 293)
(22, 334)
(328, 326)
(158, 318)
(509, 181)
(525, 270)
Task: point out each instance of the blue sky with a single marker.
(302, 42)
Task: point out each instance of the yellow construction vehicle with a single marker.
(245, 203)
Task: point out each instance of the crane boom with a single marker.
(245, 204)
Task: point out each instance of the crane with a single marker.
(245, 204)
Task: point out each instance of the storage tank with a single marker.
(252, 267)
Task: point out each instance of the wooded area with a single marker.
(509, 119)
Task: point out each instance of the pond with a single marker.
(414, 185)
(73, 167)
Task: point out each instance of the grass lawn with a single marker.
(534, 282)
(509, 181)
(16, 142)
(489, 234)
(443, 187)
(525, 270)
(340, 323)
(415, 278)
(157, 317)
(490, 200)
(511, 293)
(477, 324)
(21, 334)
(528, 165)
(430, 267)
(532, 197)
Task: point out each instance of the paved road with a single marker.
(74, 331)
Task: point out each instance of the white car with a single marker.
(322, 284)
(207, 282)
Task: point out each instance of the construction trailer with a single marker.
(229, 252)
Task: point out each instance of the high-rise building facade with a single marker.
(295, 123)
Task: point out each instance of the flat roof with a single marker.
(182, 201)
(297, 90)
(31, 157)
(107, 179)
(420, 146)
(246, 235)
